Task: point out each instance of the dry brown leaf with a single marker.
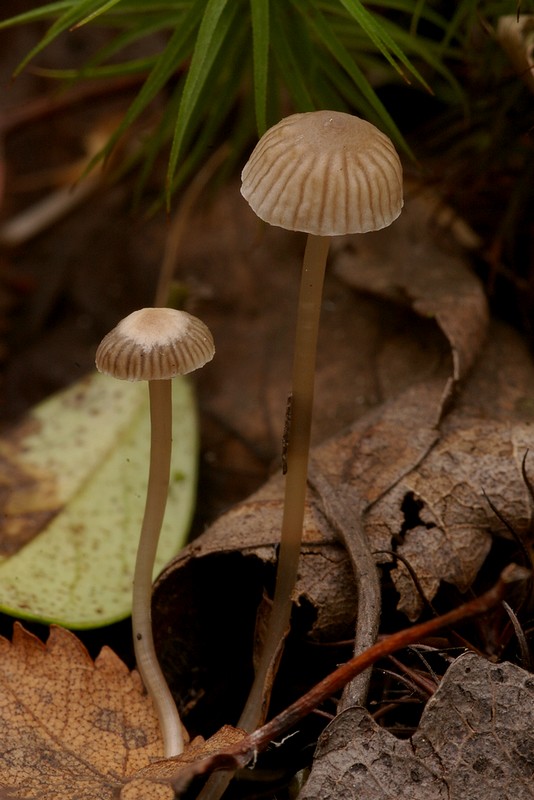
(71, 727)
(451, 526)
(145, 789)
(249, 300)
(74, 728)
(442, 507)
(436, 513)
(474, 741)
(197, 750)
(402, 265)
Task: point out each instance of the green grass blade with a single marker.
(230, 60)
(216, 22)
(290, 66)
(178, 49)
(66, 21)
(343, 57)
(382, 40)
(96, 13)
(36, 14)
(130, 36)
(122, 69)
(259, 10)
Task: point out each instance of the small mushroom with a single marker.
(325, 173)
(155, 345)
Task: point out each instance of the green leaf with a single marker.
(77, 470)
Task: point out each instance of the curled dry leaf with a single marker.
(197, 750)
(474, 740)
(401, 265)
(438, 514)
(363, 464)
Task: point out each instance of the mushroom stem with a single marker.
(308, 314)
(160, 392)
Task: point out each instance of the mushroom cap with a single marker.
(155, 344)
(326, 173)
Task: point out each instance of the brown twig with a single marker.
(420, 682)
(239, 755)
(42, 107)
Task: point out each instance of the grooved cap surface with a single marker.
(155, 344)
(326, 173)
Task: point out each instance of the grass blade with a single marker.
(259, 10)
(216, 22)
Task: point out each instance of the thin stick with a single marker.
(348, 523)
(156, 501)
(65, 99)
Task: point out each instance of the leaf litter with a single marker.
(77, 728)
(400, 379)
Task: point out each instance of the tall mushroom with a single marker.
(155, 345)
(325, 173)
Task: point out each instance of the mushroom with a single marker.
(155, 345)
(325, 173)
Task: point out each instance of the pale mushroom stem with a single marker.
(158, 486)
(308, 314)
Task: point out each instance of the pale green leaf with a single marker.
(78, 468)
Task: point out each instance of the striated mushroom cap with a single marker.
(326, 173)
(155, 344)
